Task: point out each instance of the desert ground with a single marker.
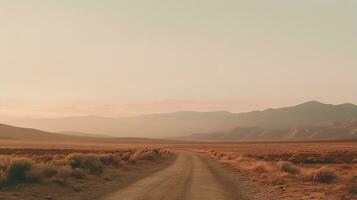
(289, 170)
(179, 171)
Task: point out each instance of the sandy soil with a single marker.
(189, 178)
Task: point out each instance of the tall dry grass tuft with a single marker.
(4, 165)
(48, 170)
(321, 175)
(288, 167)
(78, 173)
(147, 154)
(34, 174)
(352, 187)
(110, 159)
(64, 172)
(22, 170)
(260, 167)
(90, 163)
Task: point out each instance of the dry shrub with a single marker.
(4, 163)
(219, 155)
(32, 167)
(136, 155)
(352, 187)
(22, 170)
(146, 154)
(34, 175)
(303, 158)
(110, 159)
(48, 170)
(288, 167)
(321, 175)
(164, 153)
(90, 163)
(18, 170)
(78, 173)
(75, 160)
(126, 156)
(3, 176)
(64, 172)
(244, 162)
(242, 159)
(212, 152)
(260, 167)
(149, 155)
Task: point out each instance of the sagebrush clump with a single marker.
(29, 168)
(90, 163)
(323, 175)
(19, 171)
(353, 185)
(288, 167)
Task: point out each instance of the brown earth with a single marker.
(289, 170)
(319, 170)
(189, 178)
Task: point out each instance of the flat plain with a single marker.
(240, 170)
(290, 170)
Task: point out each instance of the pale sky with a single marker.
(112, 57)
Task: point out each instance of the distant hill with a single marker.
(338, 130)
(178, 124)
(150, 126)
(72, 133)
(309, 113)
(17, 133)
(26, 134)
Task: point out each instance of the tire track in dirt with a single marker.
(188, 178)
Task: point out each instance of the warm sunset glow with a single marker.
(178, 99)
(119, 58)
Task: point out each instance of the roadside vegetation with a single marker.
(70, 168)
(314, 175)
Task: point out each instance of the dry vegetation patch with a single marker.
(315, 173)
(68, 168)
(352, 187)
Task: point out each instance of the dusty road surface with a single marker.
(188, 178)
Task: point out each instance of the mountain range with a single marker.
(178, 124)
(338, 130)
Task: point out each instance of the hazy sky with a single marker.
(113, 57)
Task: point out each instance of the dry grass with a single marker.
(291, 170)
(62, 165)
(288, 167)
(352, 186)
(321, 175)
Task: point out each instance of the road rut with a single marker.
(188, 178)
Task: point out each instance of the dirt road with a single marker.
(188, 178)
